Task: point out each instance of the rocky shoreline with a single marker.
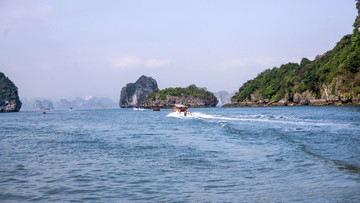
(12, 105)
(304, 99)
(316, 102)
(191, 96)
(170, 101)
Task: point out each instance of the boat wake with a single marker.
(177, 115)
(275, 119)
(199, 116)
(237, 118)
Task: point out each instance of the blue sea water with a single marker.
(268, 154)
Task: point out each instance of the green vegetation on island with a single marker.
(190, 91)
(7, 88)
(9, 98)
(190, 96)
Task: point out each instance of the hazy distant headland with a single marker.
(88, 102)
(332, 78)
(224, 97)
(44, 104)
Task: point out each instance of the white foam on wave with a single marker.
(219, 117)
(174, 114)
(199, 115)
(252, 118)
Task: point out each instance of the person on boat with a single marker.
(181, 108)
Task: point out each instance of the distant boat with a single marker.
(71, 109)
(156, 109)
(182, 110)
(136, 107)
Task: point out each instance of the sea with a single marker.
(266, 154)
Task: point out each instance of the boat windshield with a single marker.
(180, 106)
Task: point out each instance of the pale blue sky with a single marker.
(63, 49)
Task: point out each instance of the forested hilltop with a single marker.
(190, 96)
(331, 79)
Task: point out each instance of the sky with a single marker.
(65, 49)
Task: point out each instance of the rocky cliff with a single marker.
(190, 96)
(134, 93)
(331, 79)
(303, 99)
(9, 98)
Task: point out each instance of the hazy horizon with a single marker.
(64, 49)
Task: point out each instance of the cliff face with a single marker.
(191, 96)
(331, 79)
(133, 93)
(9, 98)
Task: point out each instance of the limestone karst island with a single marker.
(9, 98)
(333, 78)
(144, 92)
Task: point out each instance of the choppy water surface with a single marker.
(223, 155)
